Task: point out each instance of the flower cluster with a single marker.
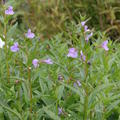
(15, 47)
(29, 35)
(73, 53)
(88, 34)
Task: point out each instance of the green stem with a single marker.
(30, 87)
(85, 105)
(29, 81)
(6, 51)
(86, 93)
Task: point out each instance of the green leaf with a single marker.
(12, 31)
(51, 114)
(2, 19)
(59, 91)
(1, 113)
(12, 111)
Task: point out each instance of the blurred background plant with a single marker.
(48, 17)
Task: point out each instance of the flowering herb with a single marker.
(83, 23)
(15, 47)
(104, 45)
(47, 61)
(82, 56)
(35, 63)
(60, 111)
(88, 36)
(86, 28)
(29, 34)
(43, 89)
(73, 53)
(9, 11)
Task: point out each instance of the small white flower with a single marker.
(2, 43)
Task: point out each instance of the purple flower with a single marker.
(75, 84)
(78, 82)
(60, 77)
(104, 45)
(59, 111)
(15, 47)
(48, 61)
(83, 23)
(35, 63)
(88, 36)
(9, 11)
(88, 62)
(82, 56)
(86, 28)
(73, 53)
(29, 34)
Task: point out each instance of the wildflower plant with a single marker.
(72, 76)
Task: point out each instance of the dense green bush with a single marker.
(72, 76)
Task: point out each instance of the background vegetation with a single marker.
(48, 17)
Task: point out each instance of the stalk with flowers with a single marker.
(8, 12)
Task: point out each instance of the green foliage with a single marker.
(37, 93)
